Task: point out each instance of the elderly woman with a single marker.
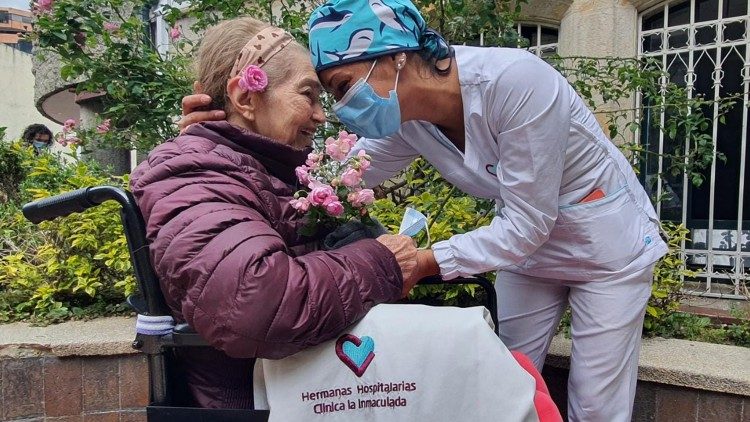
(224, 238)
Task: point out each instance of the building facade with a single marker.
(17, 108)
(703, 46)
(14, 23)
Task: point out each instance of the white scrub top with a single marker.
(534, 147)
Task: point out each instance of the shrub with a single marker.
(13, 171)
(449, 212)
(70, 267)
(669, 274)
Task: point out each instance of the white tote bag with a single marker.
(401, 363)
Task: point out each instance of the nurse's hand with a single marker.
(405, 250)
(192, 106)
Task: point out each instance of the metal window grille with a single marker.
(703, 46)
(542, 40)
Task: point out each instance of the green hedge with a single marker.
(71, 267)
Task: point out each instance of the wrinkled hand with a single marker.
(192, 109)
(405, 250)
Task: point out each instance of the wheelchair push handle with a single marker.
(58, 206)
(78, 200)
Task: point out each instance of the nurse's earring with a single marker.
(400, 63)
(400, 60)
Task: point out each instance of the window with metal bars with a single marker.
(542, 40)
(703, 46)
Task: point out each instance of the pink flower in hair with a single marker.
(253, 79)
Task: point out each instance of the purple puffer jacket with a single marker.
(225, 245)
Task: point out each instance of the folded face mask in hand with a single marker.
(413, 223)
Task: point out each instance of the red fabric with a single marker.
(546, 409)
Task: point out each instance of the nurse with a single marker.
(573, 225)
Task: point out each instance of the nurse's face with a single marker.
(338, 80)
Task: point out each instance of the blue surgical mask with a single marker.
(413, 223)
(40, 145)
(366, 113)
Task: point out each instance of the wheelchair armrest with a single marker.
(183, 335)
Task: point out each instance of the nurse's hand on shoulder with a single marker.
(192, 109)
(405, 250)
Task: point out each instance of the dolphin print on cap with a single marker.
(334, 19)
(346, 31)
(359, 41)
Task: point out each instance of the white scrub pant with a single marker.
(606, 325)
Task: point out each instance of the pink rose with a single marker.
(335, 150)
(348, 138)
(319, 194)
(253, 79)
(175, 33)
(69, 124)
(313, 160)
(44, 5)
(364, 160)
(301, 204)
(314, 183)
(104, 127)
(69, 138)
(334, 207)
(351, 177)
(361, 197)
(303, 175)
(111, 26)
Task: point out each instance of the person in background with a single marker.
(38, 136)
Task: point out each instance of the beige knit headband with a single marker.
(264, 45)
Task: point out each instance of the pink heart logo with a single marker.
(356, 353)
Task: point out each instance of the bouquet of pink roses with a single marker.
(334, 180)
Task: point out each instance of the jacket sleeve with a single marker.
(231, 275)
(530, 106)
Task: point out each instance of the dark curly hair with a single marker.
(36, 129)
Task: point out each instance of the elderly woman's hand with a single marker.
(192, 109)
(405, 250)
(351, 232)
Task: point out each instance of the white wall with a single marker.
(17, 108)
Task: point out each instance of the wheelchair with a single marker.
(167, 395)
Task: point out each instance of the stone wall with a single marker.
(87, 371)
(656, 402)
(68, 389)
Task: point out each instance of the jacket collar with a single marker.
(278, 159)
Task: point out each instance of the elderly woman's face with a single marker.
(291, 111)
